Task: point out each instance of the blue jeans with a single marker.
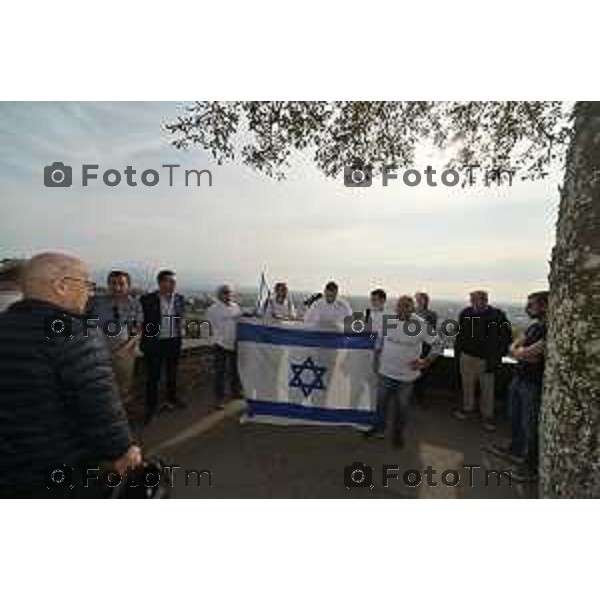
(524, 400)
(393, 398)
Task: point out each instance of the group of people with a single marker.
(64, 401)
(483, 337)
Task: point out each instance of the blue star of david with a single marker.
(317, 377)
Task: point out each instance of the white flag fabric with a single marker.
(291, 373)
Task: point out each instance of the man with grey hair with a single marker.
(484, 336)
(58, 399)
(223, 316)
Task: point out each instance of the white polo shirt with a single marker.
(328, 314)
(223, 320)
(285, 310)
(400, 347)
(169, 322)
(377, 320)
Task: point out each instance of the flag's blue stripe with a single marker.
(310, 413)
(280, 336)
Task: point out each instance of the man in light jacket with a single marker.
(223, 316)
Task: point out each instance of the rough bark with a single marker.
(570, 420)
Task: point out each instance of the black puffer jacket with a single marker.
(58, 399)
(486, 335)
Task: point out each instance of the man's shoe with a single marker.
(463, 415)
(504, 451)
(374, 434)
(524, 476)
(179, 403)
(166, 407)
(398, 440)
(488, 426)
(149, 417)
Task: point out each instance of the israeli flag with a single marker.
(293, 374)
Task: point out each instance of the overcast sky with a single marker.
(305, 230)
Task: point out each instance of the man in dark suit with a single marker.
(161, 340)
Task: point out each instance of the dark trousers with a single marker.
(419, 389)
(393, 398)
(226, 371)
(161, 352)
(525, 401)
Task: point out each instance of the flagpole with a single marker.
(261, 304)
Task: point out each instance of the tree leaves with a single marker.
(527, 136)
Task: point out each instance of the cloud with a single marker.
(306, 229)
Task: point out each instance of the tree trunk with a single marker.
(570, 420)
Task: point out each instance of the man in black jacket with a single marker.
(161, 340)
(430, 317)
(58, 400)
(525, 392)
(484, 337)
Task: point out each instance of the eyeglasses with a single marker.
(87, 283)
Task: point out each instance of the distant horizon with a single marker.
(209, 284)
(250, 289)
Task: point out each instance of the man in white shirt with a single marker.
(374, 314)
(329, 311)
(10, 290)
(223, 316)
(400, 364)
(280, 305)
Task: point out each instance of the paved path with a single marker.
(253, 460)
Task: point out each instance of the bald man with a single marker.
(400, 363)
(58, 399)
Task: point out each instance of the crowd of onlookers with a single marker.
(64, 382)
